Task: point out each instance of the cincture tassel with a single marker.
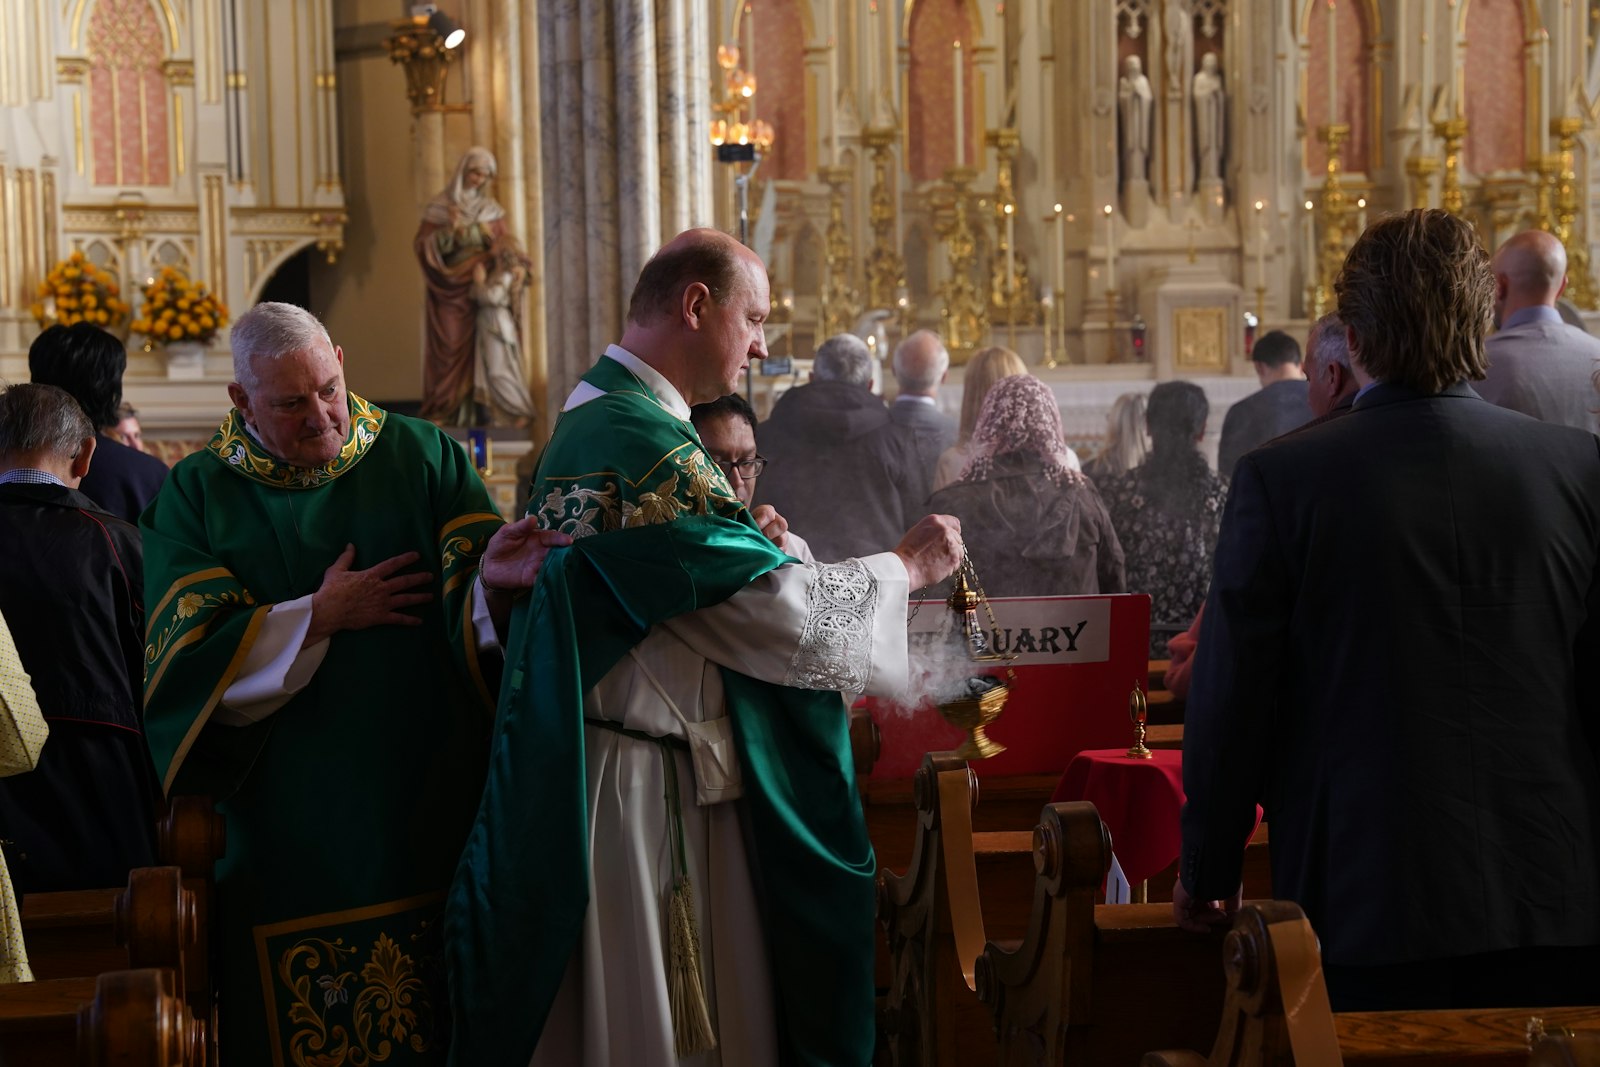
(691, 1013)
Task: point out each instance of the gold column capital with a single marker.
(420, 50)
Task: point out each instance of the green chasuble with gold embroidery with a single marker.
(660, 533)
(347, 806)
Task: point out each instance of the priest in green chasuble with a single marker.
(324, 583)
(670, 865)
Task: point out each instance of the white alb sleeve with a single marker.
(276, 668)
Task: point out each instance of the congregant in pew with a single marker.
(89, 363)
(986, 367)
(1126, 442)
(1166, 511)
(1403, 601)
(620, 901)
(921, 366)
(327, 586)
(23, 732)
(841, 471)
(1275, 409)
(1332, 387)
(71, 589)
(1032, 525)
(727, 429)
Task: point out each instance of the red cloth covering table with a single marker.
(1139, 800)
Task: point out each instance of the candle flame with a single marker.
(1308, 205)
(1362, 202)
(1261, 205)
(1009, 209)
(1107, 209)
(1058, 209)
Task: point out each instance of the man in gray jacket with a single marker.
(1539, 365)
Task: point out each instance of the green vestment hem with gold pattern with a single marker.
(347, 806)
(660, 533)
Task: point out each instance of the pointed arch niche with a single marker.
(933, 26)
(129, 135)
(1357, 34)
(1496, 98)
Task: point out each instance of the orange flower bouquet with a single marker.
(77, 291)
(178, 309)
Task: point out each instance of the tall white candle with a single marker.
(750, 50)
(1061, 252)
(1261, 243)
(1454, 108)
(1311, 245)
(833, 100)
(871, 59)
(961, 109)
(1333, 65)
(1563, 59)
(1427, 73)
(1544, 93)
(1011, 245)
(1111, 248)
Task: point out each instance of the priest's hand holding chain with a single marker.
(931, 550)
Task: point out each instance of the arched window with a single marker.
(128, 131)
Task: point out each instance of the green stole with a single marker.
(668, 537)
(346, 808)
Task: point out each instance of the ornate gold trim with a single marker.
(234, 446)
(178, 71)
(72, 69)
(252, 628)
(188, 579)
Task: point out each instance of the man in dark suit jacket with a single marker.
(72, 591)
(88, 363)
(1389, 664)
(1278, 407)
(837, 468)
(921, 365)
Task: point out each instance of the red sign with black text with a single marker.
(1077, 660)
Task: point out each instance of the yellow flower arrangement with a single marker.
(178, 309)
(77, 291)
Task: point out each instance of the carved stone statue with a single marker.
(498, 376)
(460, 228)
(1210, 119)
(1177, 31)
(1135, 105)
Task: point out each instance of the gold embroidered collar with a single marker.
(236, 447)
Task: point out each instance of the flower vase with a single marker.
(185, 359)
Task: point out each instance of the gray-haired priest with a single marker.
(321, 657)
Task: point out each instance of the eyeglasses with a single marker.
(747, 468)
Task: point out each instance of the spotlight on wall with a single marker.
(448, 29)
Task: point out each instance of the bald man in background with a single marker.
(1539, 365)
(921, 365)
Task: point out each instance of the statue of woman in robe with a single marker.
(459, 228)
(1134, 101)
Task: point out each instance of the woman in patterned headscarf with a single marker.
(1033, 526)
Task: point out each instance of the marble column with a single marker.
(625, 158)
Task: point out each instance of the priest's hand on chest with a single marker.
(357, 599)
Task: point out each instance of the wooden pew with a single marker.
(1566, 1050)
(130, 1018)
(959, 889)
(1272, 960)
(76, 934)
(1095, 984)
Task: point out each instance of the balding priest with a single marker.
(321, 655)
(619, 901)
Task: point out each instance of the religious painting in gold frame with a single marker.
(1201, 338)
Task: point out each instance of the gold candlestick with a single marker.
(1048, 306)
(1568, 203)
(1111, 326)
(1420, 170)
(965, 313)
(1009, 286)
(1139, 712)
(886, 267)
(1334, 215)
(841, 302)
(1452, 132)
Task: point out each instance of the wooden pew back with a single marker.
(960, 888)
(1094, 984)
